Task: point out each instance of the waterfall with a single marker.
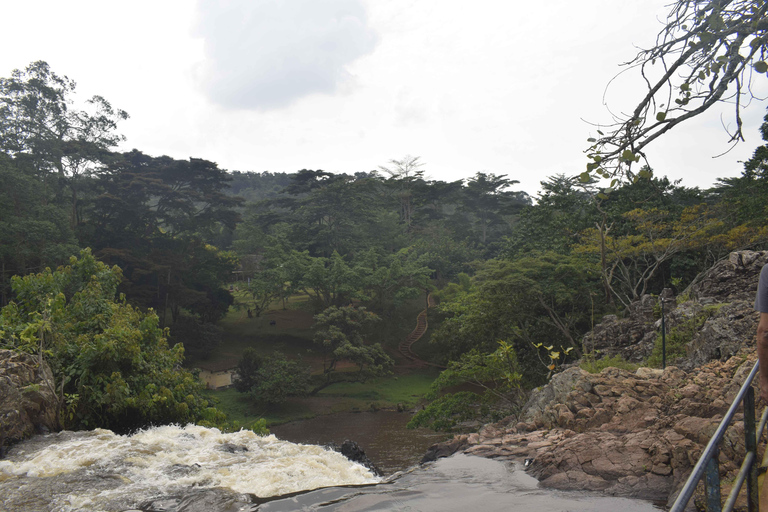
(106, 471)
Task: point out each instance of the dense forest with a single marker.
(146, 243)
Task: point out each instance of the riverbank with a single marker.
(401, 392)
(627, 434)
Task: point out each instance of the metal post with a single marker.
(712, 483)
(750, 445)
(663, 337)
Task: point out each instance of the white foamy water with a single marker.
(151, 462)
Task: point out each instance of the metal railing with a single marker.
(708, 464)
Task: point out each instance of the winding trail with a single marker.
(406, 346)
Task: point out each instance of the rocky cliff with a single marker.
(27, 403)
(638, 434)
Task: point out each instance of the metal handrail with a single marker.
(708, 465)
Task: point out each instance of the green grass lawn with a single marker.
(292, 335)
(382, 393)
(386, 391)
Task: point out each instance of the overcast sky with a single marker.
(347, 85)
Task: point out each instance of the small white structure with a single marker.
(218, 375)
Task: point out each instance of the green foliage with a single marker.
(110, 359)
(446, 412)
(590, 364)
(543, 297)
(340, 336)
(681, 335)
(200, 339)
(496, 374)
(271, 380)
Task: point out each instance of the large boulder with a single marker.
(28, 404)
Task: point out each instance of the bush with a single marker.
(592, 365)
(111, 361)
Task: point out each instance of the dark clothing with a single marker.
(761, 300)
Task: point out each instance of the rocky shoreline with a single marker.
(28, 405)
(639, 434)
(627, 434)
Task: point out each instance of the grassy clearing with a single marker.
(387, 392)
(292, 335)
(383, 393)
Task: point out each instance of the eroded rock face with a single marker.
(631, 337)
(734, 278)
(27, 404)
(626, 434)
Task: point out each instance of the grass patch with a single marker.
(678, 337)
(591, 365)
(386, 391)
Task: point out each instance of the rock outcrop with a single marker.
(627, 434)
(352, 451)
(721, 300)
(631, 337)
(639, 434)
(27, 404)
(734, 278)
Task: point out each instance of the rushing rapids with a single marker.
(197, 469)
(99, 470)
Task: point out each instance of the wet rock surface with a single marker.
(626, 434)
(27, 403)
(352, 451)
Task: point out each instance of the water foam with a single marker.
(155, 460)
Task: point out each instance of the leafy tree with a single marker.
(200, 339)
(329, 281)
(486, 198)
(34, 232)
(497, 374)
(110, 360)
(152, 219)
(706, 53)
(563, 209)
(442, 252)
(264, 287)
(271, 380)
(340, 336)
(545, 297)
(633, 259)
(389, 281)
(38, 123)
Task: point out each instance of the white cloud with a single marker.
(268, 53)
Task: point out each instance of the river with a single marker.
(197, 469)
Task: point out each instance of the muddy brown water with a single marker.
(387, 442)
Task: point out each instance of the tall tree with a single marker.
(486, 197)
(404, 175)
(38, 122)
(153, 218)
(340, 334)
(34, 232)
